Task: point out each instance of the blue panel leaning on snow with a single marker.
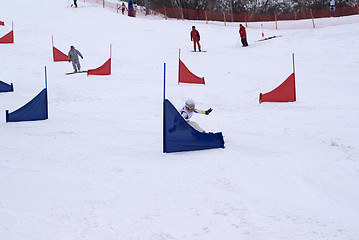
(36, 109)
(179, 136)
(4, 87)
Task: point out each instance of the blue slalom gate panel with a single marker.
(179, 136)
(4, 87)
(34, 110)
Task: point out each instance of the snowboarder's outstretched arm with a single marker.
(187, 115)
(204, 111)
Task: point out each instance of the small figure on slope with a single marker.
(135, 8)
(123, 8)
(195, 38)
(198, 12)
(188, 110)
(75, 3)
(73, 56)
(332, 7)
(243, 34)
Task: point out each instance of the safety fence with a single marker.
(189, 14)
(113, 6)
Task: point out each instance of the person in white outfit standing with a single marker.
(188, 110)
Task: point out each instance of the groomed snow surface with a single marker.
(95, 169)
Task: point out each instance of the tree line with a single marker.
(248, 6)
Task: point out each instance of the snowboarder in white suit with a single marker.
(332, 7)
(188, 110)
(73, 56)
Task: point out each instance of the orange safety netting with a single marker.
(181, 13)
(191, 14)
(105, 4)
(8, 38)
(339, 12)
(186, 76)
(94, 1)
(283, 93)
(111, 5)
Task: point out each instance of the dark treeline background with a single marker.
(249, 6)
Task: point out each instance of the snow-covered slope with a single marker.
(95, 169)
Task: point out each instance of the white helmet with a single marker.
(190, 103)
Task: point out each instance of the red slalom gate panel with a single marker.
(58, 55)
(8, 38)
(283, 93)
(105, 69)
(186, 76)
(2, 23)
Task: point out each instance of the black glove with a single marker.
(82, 57)
(69, 60)
(208, 111)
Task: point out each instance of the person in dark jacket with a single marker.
(243, 34)
(198, 13)
(130, 8)
(73, 56)
(195, 38)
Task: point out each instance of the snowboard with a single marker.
(198, 51)
(264, 39)
(76, 72)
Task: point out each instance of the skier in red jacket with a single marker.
(243, 34)
(195, 38)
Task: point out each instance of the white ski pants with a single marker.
(195, 126)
